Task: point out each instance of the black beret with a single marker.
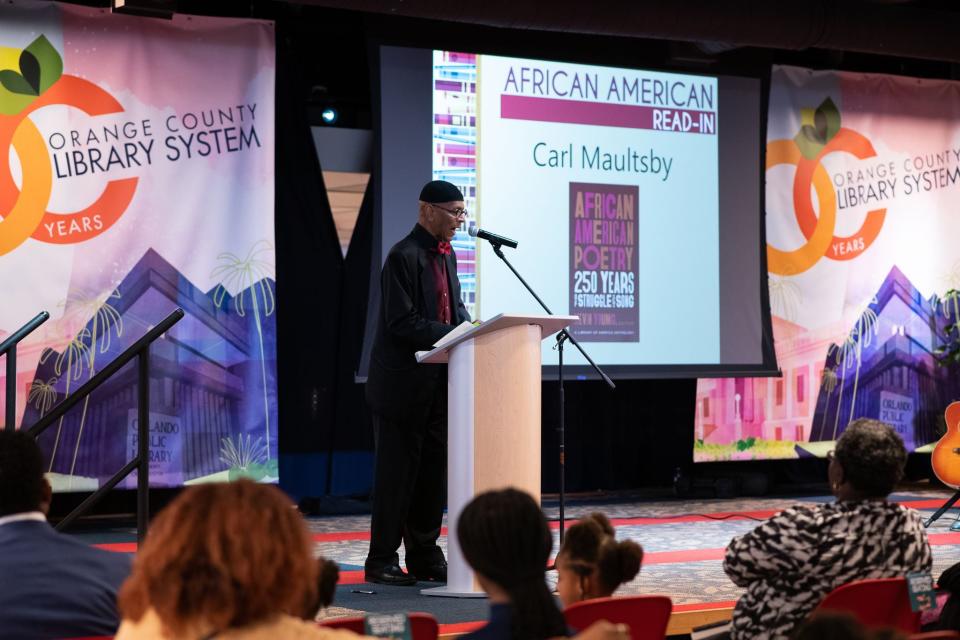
(440, 191)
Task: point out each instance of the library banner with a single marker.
(136, 176)
(862, 185)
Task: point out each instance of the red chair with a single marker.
(647, 616)
(935, 635)
(423, 626)
(881, 602)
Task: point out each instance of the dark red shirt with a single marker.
(440, 277)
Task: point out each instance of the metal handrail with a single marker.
(141, 462)
(9, 347)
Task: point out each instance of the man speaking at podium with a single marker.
(419, 304)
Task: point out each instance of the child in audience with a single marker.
(592, 563)
(830, 625)
(505, 538)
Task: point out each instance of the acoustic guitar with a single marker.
(946, 455)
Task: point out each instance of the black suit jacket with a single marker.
(397, 387)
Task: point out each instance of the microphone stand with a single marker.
(562, 337)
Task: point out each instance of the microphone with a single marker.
(492, 238)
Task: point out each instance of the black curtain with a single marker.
(633, 437)
(353, 429)
(309, 264)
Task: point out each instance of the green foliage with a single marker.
(255, 471)
(757, 449)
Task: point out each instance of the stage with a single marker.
(683, 542)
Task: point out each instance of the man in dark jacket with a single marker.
(54, 586)
(420, 303)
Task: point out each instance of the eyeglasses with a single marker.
(456, 213)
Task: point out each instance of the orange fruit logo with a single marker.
(38, 83)
(805, 152)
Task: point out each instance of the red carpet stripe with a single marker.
(704, 606)
(461, 627)
(119, 547)
(676, 557)
(707, 517)
(942, 539)
(351, 577)
(655, 557)
(935, 503)
(346, 536)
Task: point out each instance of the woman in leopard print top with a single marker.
(791, 561)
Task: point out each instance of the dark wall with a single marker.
(633, 437)
(636, 436)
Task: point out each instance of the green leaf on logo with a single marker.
(30, 70)
(16, 83)
(40, 67)
(818, 128)
(827, 120)
(809, 142)
(48, 62)
(15, 93)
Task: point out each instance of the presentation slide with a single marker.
(608, 180)
(634, 195)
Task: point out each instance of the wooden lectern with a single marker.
(493, 424)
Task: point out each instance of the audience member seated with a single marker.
(791, 561)
(505, 538)
(949, 581)
(226, 561)
(54, 586)
(830, 625)
(592, 563)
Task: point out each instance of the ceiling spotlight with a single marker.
(146, 8)
(329, 115)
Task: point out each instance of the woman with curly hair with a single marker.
(791, 561)
(592, 563)
(226, 561)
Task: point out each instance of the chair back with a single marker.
(879, 602)
(423, 626)
(647, 616)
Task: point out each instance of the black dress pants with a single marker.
(409, 487)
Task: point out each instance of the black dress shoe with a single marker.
(430, 572)
(388, 574)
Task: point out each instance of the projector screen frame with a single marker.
(767, 367)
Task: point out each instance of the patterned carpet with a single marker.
(683, 542)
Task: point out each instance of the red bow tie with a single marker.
(443, 248)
